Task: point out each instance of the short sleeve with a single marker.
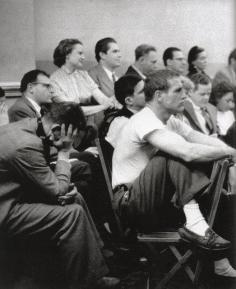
(147, 122)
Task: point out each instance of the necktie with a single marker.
(207, 118)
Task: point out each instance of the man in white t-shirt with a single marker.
(158, 159)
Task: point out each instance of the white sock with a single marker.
(223, 268)
(195, 221)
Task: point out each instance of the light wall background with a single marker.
(31, 29)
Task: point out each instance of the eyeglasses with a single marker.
(47, 85)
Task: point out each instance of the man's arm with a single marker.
(174, 144)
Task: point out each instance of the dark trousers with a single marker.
(165, 179)
(71, 229)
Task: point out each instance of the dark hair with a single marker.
(158, 81)
(168, 54)
(219, 90)
(199, 78)
(124, 87)
(192, 56)
(30, 77)
(143, 49)
(2, 92)
(64, 48)
(232, 55)
(65, 112)
(103, 46)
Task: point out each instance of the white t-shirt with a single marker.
(115, 129)
(224, 120)
(132, 151)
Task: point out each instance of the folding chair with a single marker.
(171, 239)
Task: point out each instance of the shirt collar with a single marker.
(35, 105)
(109, 73)
(139, 72)
(196, 107)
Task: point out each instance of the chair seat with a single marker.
(160, 237)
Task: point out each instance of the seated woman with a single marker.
(197, 60)
(222, 97)
(73, 84)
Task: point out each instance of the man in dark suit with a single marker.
(174, 60)
(108, 56)
(36, 90)
(199, 113)
(145, 61)
(38, 202)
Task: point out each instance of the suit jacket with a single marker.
(225, 75)
(22, 108)
(100, 76)
(133, 71)
(190, 114)
(24, 173)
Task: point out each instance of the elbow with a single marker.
(189, 156)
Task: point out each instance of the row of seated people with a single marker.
(40, 86)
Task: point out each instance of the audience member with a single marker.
(3, 108)
(228, 73)
(70, 83)
(197, 60)
(222, 97)
(35, 201)
(108, 56)
(145, 61)
(174, 60)
(129, 92)
(158, 156)
(36, 90)
(198, 112)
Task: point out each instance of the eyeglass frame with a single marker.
(47, 85)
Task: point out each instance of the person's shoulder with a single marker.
(57, 73)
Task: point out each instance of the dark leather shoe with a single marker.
(211, 241)
(107, 282)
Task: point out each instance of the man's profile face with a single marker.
(113, 56)
(173, 99)
(177, 63)
(149, 62)
(42, 90)
(201, 94)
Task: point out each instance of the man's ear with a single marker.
(30, 87)
(129, 100)
(102, 54)
(158, 95)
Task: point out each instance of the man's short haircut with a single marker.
(124, 87)
(103, 46)
(143, 49)
(2, 92)
(199, 78)
(219, 90)
(169, 53)
(232, 55)
(67, 113)
(64, 48)
(158, 80)
(30, 77)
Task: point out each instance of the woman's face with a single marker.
(76, 57)
(226, 102)
(201, 61)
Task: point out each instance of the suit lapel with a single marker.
(191, 116)
(30, 106)
(106, 80)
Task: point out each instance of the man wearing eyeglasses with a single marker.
(36, 90)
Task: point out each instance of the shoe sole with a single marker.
(203, 247)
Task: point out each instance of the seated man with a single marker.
(158, 158)
(228, 73)
(129, 92)
(145, 61)
(35, 201)
(174, 60)
(198, 112)
(108, 57)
